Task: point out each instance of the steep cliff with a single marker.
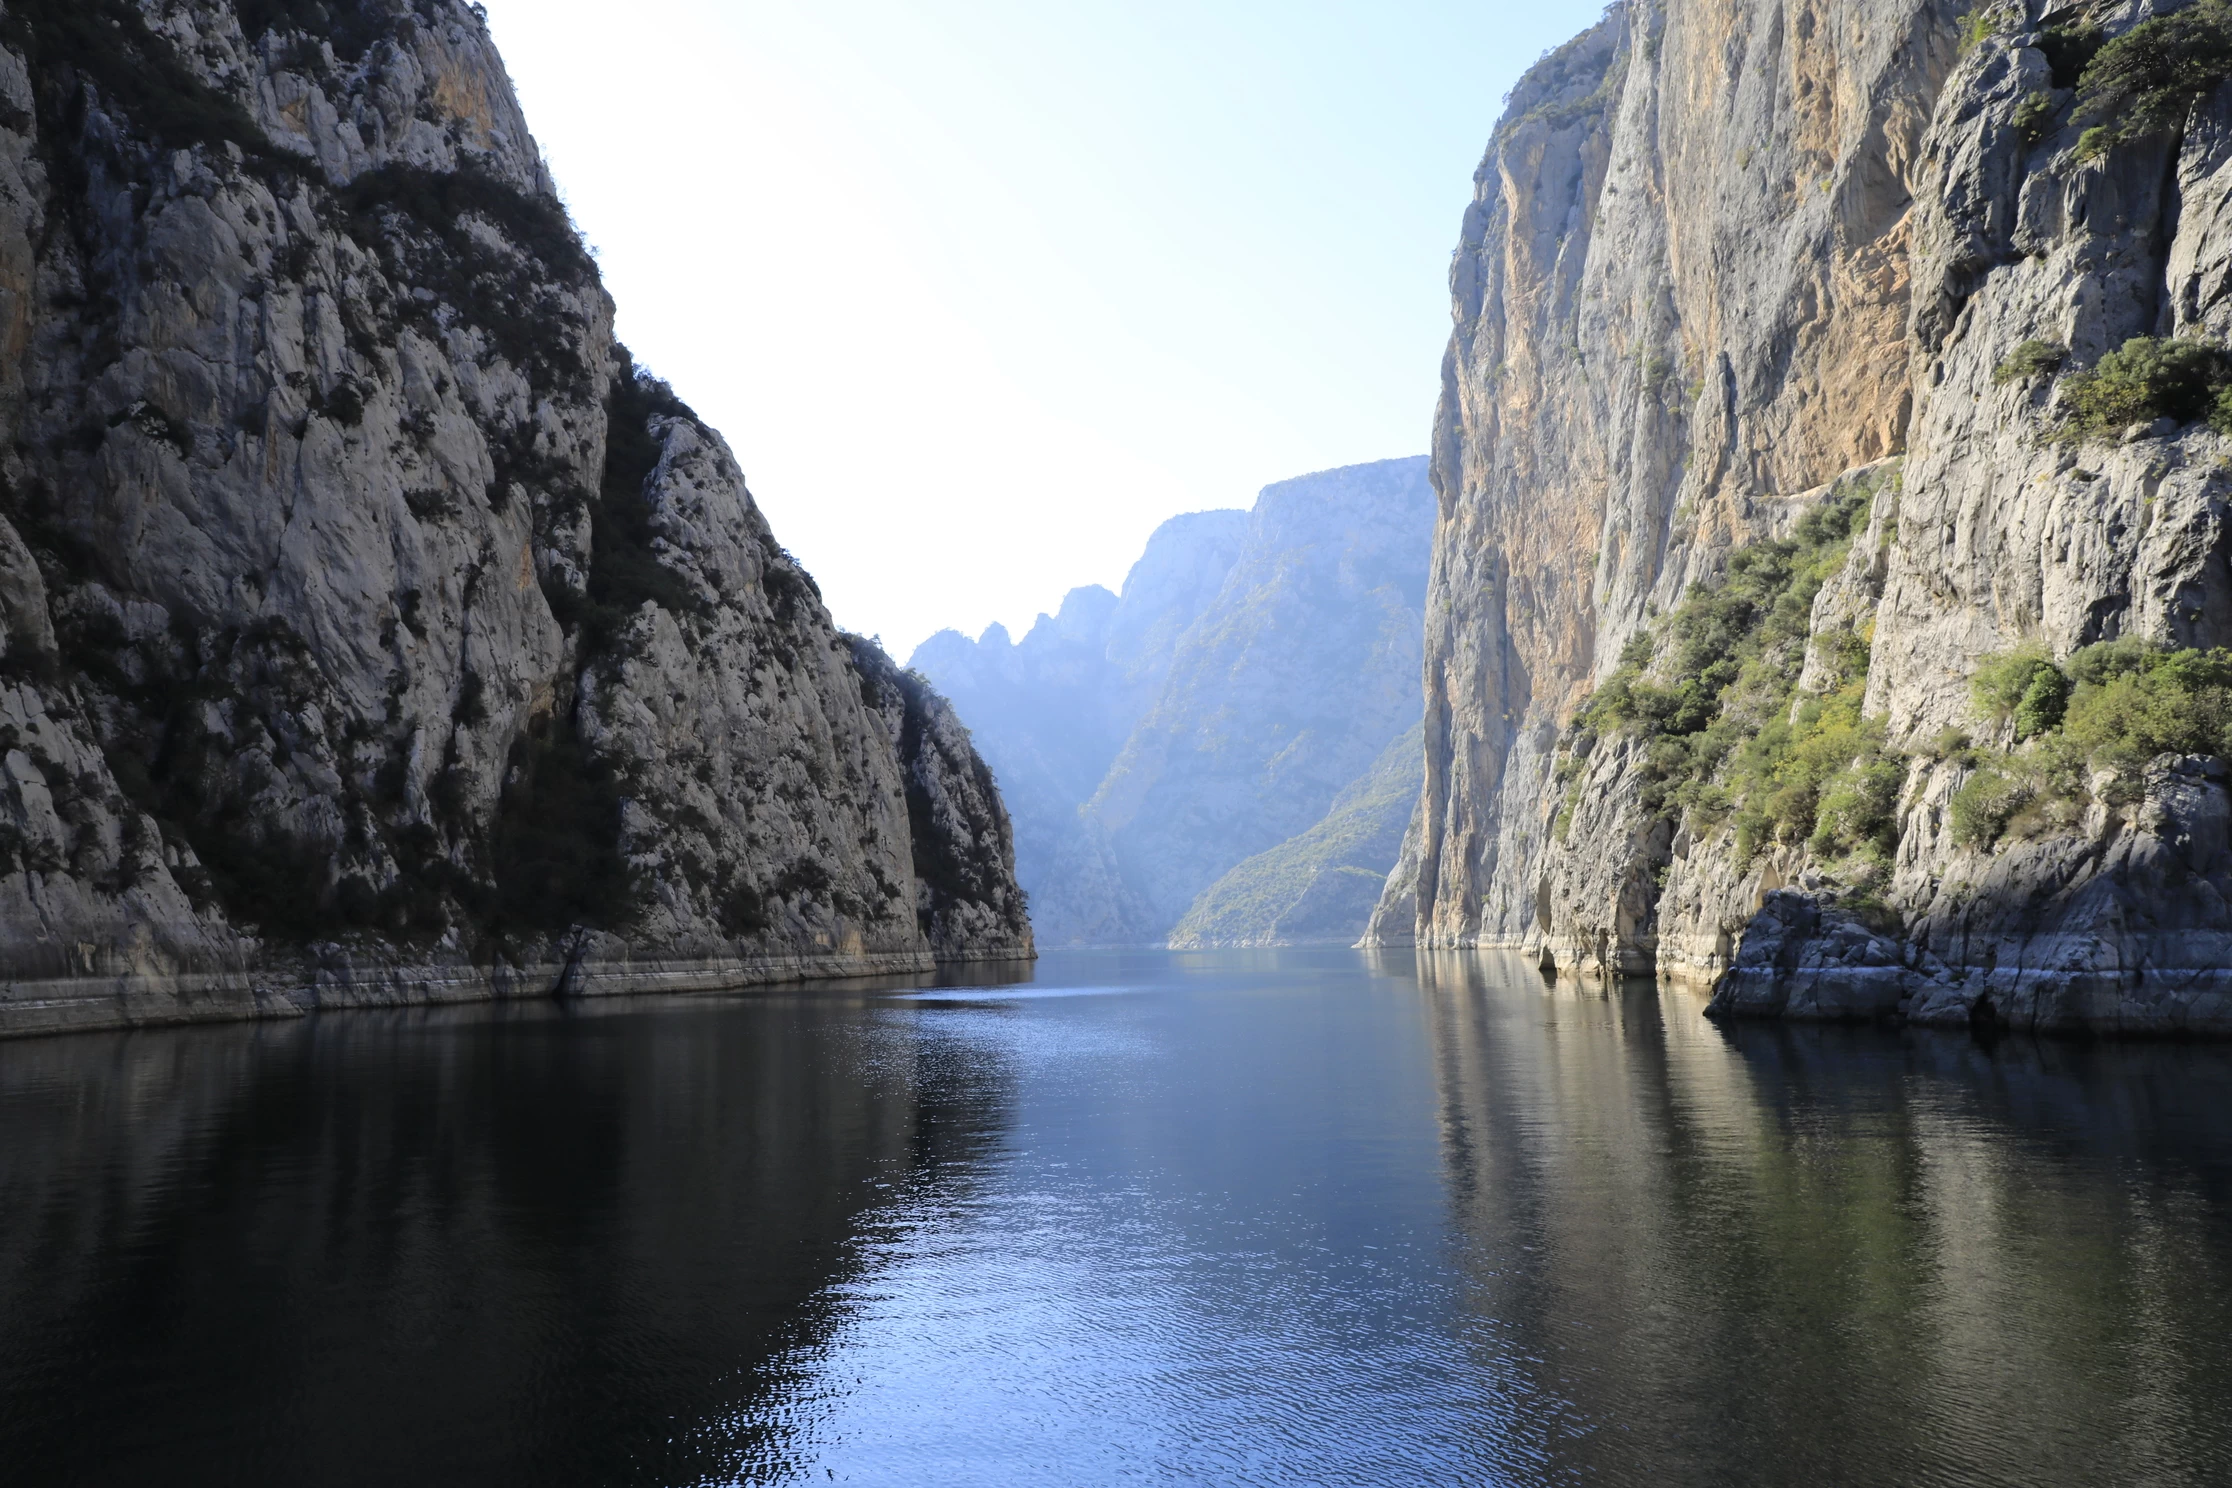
(375, 631)
(1792, 417)
(1284, 691)
(1256, 668)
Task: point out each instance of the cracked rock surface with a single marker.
(1723, 256)
(374, 630)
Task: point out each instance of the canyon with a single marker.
(1217, 756)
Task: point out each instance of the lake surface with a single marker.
(1241, 1218)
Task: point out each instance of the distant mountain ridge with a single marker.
(1318, 888)
(1256, 666)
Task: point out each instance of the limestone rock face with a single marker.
(1253, 671)
(1283, 692)
(1724, 256)
(967, 901)
(375, 631)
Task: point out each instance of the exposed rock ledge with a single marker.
(126, 998)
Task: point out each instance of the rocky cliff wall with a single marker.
(1821, 305)
(1320, 886)
(375, 630)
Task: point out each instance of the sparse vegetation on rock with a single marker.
(2148, 80)
(2147, 378)
(2032, 359)
(429, 649)
(1712, 690)
(2087, 729)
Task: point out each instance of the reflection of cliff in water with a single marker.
(1705, 1252)
(514, 1246)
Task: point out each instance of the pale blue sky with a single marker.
(982, 290)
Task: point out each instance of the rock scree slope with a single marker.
(374, 630)
(1835, 536)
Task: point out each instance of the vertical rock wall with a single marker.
(1680, 300)
(1254, 667)
(375, 630)
(1726, 260)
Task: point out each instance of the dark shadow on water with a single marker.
(524, 1244)
(1772, 1253)
(1249, 1219)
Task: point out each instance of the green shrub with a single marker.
(1821, 776)
(2148, 703)
(2003, 683)
(1976, 26)
(2147, 80)
(2042, 704)
(1948, 744)
(1859, 805)
(2093, 665)
(1710, 690)
(2031, 359)
(2115, 708)
(2034, 116)
(1986, 803)
(2147, 378)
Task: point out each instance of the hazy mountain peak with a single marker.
(1255, 664)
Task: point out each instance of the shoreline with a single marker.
(56, 1006)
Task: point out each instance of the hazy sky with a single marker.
(982, 290)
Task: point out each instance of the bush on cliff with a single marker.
(2023, 685)
(2121, 705)
(136, 72)
(2070, 48)
(2034, 358)
(1711, 689)
(350, 27)
(2147, 80)
(2147, 378)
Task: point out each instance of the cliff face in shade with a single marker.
(1283, 693)
(967, 901)
(1725, 258)
(1253, 670)
(1051, 711)
(375, 631)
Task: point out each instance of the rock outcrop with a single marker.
(1732, 262)
(375, 630)
(1251, 673)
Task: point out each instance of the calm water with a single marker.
(1299, 1218)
